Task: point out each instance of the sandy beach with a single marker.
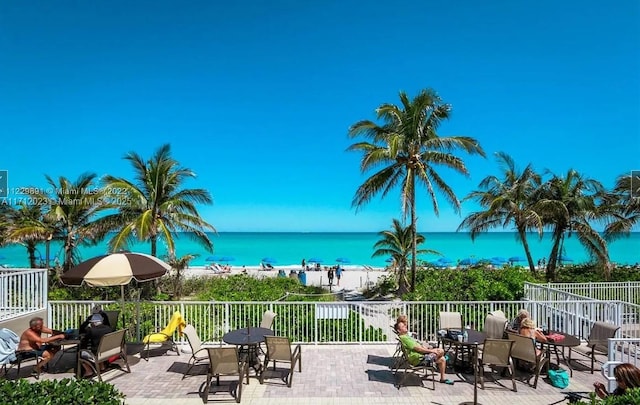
(353, 277)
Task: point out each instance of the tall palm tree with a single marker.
(397, 243)
(568, 204)
(25, 224)
(624, 205)
(507, 201)
(155, 205)
(406, 150)
(73, 207)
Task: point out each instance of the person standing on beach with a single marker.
(304, 264)
(338, 274)
(330, 275)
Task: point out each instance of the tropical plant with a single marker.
(25, 224)
(568, 204)
(397, 243)
(406, 149)
(507, 201)
(155, 205)
(178, 264)
(73, 207)
(624, 205)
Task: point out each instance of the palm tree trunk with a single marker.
(527, 251)
(31, 251)
(154, 247)
(68, 249)
(553, 257)
(414, 234)
(402, 279)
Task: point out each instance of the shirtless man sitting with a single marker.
(32, 340)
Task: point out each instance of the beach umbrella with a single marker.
(496, 262)
(498, 259)
(227, 259)
(389, 260)
(115, 269)
(438, 263)
(445, 260)
(269, 260)
(214, 258)
(517, 259)
(469, 261)
(315, 260)
(564, 258)
(343, 260)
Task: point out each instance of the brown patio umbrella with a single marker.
(115, 269)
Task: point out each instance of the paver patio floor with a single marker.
(331, 374)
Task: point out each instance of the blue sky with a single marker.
(257, 96)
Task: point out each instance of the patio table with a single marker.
(475, 339)
(567, 341)
(249, 338)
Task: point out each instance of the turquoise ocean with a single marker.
(287, 248)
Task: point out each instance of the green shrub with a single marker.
(631, 397)
(67, 391)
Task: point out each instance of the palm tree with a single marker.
(155, 205)
(406, 150)
(623, 203)
(73, 208)
(568, 204)
(397, 243)
(507, 201)
(25, 224)
(178, 264)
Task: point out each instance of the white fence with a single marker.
(336, 322)
(22, 291)
(620, 350)
(628, 312)
(628, 291)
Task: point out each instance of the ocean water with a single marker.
(248, 248)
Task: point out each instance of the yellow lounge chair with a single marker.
(177, 322)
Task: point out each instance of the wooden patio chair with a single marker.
(279, 349)
(497, 353)
(420, 370)
(598, 341)
(524, 349)
(111, 344)
(225, 361)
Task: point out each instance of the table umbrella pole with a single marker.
(122, 303)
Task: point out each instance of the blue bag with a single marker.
(559, 378)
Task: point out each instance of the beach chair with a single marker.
(598, 341)
(496, 353)
(199, 354)
(423, 371)
(279, 349)
(165, 336)
(524, 349)
(494, 326)
(225, 361)
(112, 344)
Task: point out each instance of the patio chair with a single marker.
(267, 319)
(112, 344)
(494, 326)
(166, 335)
(279, 349)
(497, 353)
(21, 356)
(198, 350)
(499, 313)
(420, 370)
(597, 342)
(524, 349)
(450, 320)
(225, 361)
(113, 318)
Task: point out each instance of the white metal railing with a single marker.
(620, 350)
(335, 322)
(22, 291)
(627, 291)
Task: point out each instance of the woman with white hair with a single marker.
(515, 324)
